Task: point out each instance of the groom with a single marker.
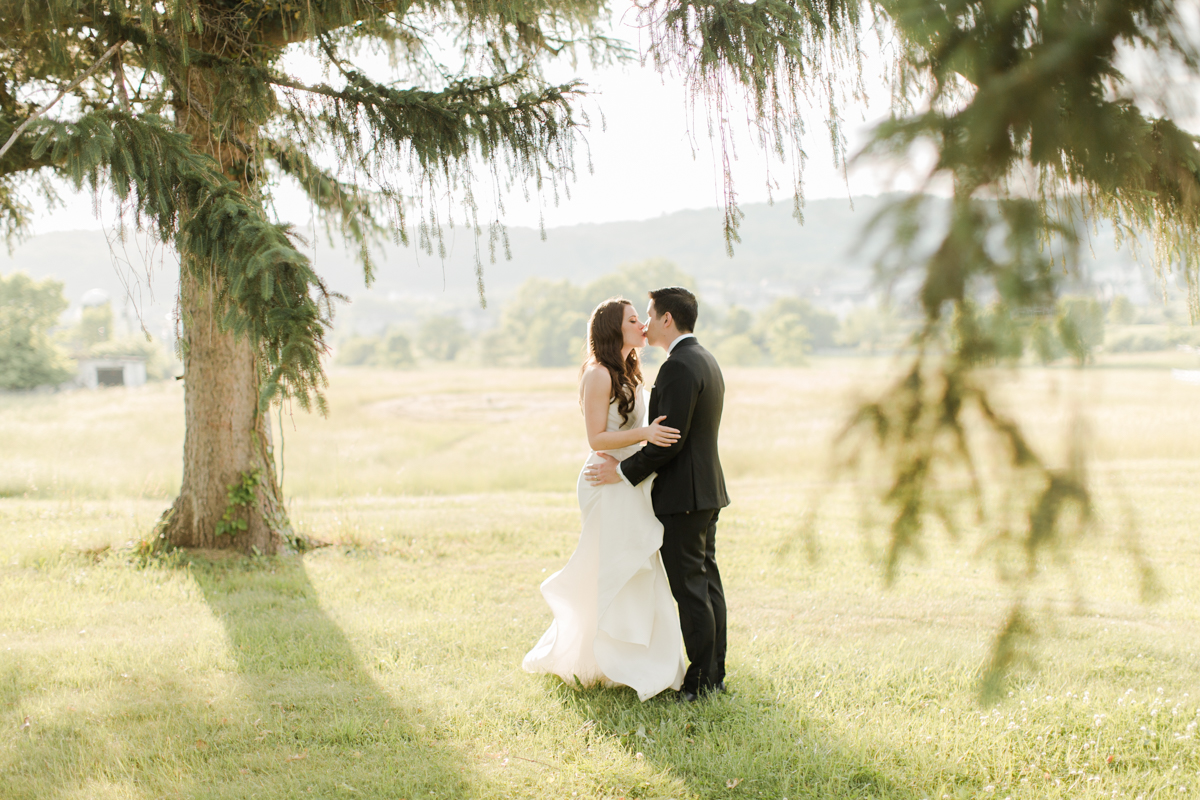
(689, 491)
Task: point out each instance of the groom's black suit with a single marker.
(688, 494)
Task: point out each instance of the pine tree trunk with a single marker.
(227, 442)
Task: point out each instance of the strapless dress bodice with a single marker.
(637, 419)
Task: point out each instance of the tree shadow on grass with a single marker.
(287, 710)
(751, 743)
(323, 725)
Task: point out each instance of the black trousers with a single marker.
(689, 552)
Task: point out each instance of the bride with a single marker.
(615, 621)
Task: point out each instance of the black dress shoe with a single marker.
(684, 696)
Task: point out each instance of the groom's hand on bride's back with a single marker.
(603, 472)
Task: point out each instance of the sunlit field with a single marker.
(387, 665)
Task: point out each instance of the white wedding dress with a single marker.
(615, 621)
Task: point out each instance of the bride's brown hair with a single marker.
(605, 341)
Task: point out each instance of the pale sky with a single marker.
(651, 158)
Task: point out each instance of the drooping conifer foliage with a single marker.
(1042, 131)
(222, 67)
(767, 62)
(189, 112)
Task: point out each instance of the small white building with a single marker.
(115, 371)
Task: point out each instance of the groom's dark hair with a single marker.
(680, 302)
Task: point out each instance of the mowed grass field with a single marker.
(388, 664)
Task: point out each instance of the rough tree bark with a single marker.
(227, 442)
(227, 439)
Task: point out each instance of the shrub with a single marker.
(787, 340)
(357, 351)
(739, 351)
(821, 326)
(1137, 341)
(866, 328)
(1121, 311)
(634, 281)
(28, 309)
(1080, 326)
(394, 351)
(441, 338)
(738, 321)
(95, 325)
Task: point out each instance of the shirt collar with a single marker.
(678, 340)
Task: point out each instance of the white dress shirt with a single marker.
(679, 339)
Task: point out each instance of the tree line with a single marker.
(544, 324)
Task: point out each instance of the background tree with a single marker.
(867, 328)
(791, 327)
(787, 339)
(1080, 326)
(1121, 311)
(543, 325)
(187, 113)
(441, 338)
(738, 322)
(357, 350)
(633, 281)
(739, 350)
(821, 325)
(28, 310)
(394, 351)
(95, 325)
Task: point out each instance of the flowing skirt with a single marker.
(615, 621)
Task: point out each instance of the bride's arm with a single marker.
(596, 392)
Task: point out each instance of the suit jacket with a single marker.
(690, 391)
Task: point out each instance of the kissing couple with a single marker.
(649, 494)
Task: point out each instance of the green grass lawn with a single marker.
(388, 665)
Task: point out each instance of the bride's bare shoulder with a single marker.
(595, 376)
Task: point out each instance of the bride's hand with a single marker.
(661, 435)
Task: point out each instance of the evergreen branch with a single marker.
(1041, 97)
(442, 127)
(265, 285)
(1014, 91)
(268, 288)
(61, 94)
(361, 89)
(335, 199)
(777, 54)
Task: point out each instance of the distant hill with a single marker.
(774, 249)
(775, 256)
